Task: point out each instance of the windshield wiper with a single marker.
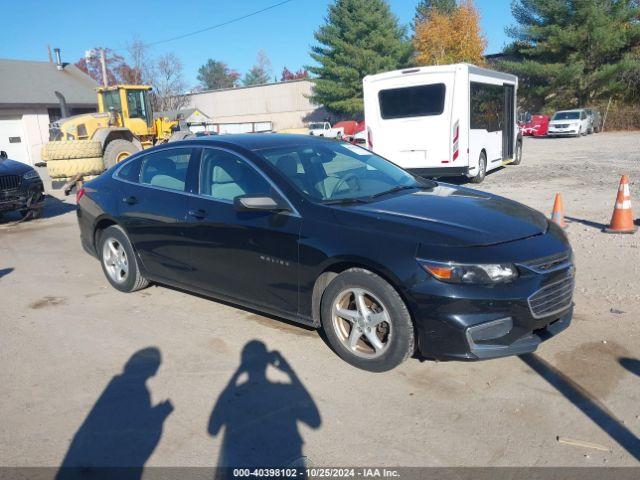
(397, 188)
(344, 201)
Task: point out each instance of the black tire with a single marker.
(482, 169)
(134, 279)
(517, 158)
(116, 151)
(400, 343)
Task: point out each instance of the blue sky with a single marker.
(284, 33)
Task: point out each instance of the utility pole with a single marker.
(103, 62)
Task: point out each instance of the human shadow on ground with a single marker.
(122, 429)
(631, 364)
(587, 403)
(260, 417)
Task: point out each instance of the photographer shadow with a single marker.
(122, 429)
(260, 417)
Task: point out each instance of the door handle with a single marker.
(199, 213)
(130, 200)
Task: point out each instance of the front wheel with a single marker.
(366, 322)
(118, 260)
(116, 151)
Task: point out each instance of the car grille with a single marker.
(550, 263)
(561, 125)
(9, 182)
(552, 298)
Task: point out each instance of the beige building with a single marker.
(28, 103)
(283, 105)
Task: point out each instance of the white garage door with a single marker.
(13, 140)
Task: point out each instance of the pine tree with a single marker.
(425, 7)
(572, 53)
(359, 38)
(454, 37)
(214, 75)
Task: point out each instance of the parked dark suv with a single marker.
(21, 188)
(330, 235)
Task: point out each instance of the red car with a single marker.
(537, 126)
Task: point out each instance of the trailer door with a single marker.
(508, 123)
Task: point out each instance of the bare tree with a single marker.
(140, 63)
(168, 84)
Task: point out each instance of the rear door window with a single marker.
(417, 101)
(166, 168)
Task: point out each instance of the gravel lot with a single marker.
(66, 335)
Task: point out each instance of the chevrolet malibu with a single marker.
(332, 236)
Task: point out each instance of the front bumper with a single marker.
(563, 131)
(474, 322)
(27, 196)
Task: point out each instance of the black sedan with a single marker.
(331, 235)
(21, 188)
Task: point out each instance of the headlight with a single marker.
(462, 273)
(30, 175)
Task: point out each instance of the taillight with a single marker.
(79, 194)
(456, 138)
(369, 137)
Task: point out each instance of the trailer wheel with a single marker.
(117, 150)
(518, 156)
(482, 169)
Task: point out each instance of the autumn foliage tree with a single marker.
(450, 37)
(287, 75)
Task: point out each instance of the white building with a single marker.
(28, 103)
(283, 105)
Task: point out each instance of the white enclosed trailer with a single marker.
(444, 120)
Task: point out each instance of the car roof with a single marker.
(259, 141)
(572, 110)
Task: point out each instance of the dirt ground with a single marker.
(66, 337)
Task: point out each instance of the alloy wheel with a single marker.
(115, 260)
(361, 322)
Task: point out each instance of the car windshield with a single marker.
(336, 171)
(566, 116)
(316, 126)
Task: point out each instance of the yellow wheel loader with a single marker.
(87, 144)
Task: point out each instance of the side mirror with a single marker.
(263, 203)
(3, 154)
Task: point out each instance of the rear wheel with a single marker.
(366, 322)
(117, 150)
(482, 169)
(118, 260)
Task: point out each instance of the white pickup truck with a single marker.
(324, 129)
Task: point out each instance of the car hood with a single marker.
(447, 215)
(11, 167)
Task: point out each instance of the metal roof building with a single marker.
(285, 105)
(28, 103)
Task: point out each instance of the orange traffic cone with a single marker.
(557, 214)
(622, 218)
